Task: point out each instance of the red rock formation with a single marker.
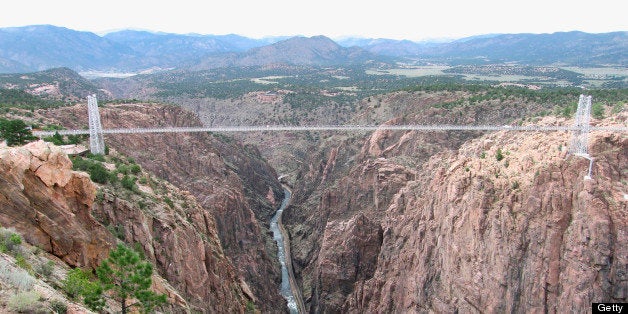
(524, 234)
(463, 232)
(230, 182)
(185, 248)
(49, 204)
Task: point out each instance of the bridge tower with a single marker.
(96, 139)
(579, 145)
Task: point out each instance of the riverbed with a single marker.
(286, 289)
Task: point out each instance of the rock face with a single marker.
(526, 233)
(184, 246)
(231, 182)
(44, 200)
(457, 230)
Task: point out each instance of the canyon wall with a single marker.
(231, 182)
(49, 204)
(418, 222)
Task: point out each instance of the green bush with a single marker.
(135, 169)
(97, 172)
(168, 201)
(597, 110)
(97, 157)
(9, 241)
(250, 307)
(499, 155)
(75, 139)
(128, 182)
(58, 307)
(56, 139)
(75, 283)
(21, 262)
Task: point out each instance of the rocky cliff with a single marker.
(526, 233)
(180, 238)
(411, 222)
(63, 212)
(44, 200)
(237, 190)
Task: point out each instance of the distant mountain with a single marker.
(317, 50)
(575, 48)
(389, 47)
(172, 50)
(40, 47)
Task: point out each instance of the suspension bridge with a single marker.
(578, 146)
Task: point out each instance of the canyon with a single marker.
(454, 228)
(380, 222)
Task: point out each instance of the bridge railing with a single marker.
(339, 128)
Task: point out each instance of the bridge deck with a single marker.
(338, 128)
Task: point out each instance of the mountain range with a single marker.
(40, 47)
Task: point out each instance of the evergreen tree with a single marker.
(15, 132)
(127, 278)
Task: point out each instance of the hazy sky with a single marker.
(414, 20)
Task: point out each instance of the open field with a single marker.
(413, 72)
(593, 72)
(555, 76)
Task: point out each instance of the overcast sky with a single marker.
(414, 20)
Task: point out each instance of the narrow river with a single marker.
(286, 290)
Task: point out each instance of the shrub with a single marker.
(168, 201)
(250, 307)
(25, 302)
(19, 278)
(58, 307)
(56, 139)
(97, 157)
(135, 169)
(46, 269)
(75, 283)
(499, 155)
(74, 139)
(99, 174)
(9, 241)
(128, 182)
(123, 169)
(597, 110)
(21, 262)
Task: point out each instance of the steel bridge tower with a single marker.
(96, 139)
(580, 137)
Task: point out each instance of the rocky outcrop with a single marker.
(230, 181)
(526, 233)
(183, 245)
(463, 230)
(49, 204)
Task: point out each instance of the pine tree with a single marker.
(15, 132)
(128, 278)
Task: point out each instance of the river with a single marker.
(286, 289)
